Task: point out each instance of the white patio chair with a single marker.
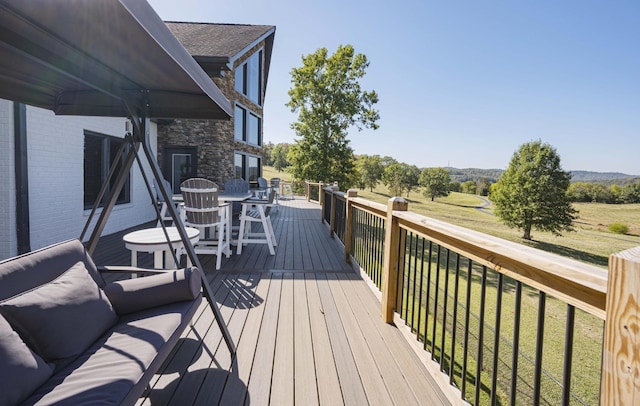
(263, 186)
(287, 191)
(202, 211)
(257, 211)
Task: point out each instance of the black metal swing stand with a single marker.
(113, 58)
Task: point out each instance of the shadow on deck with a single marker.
(307, 329)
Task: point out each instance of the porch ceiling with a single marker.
(101, 58)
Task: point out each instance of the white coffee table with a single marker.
(153, 240)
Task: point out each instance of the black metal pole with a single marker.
(23, 231)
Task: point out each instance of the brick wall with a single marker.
(214, 139)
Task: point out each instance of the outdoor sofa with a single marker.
(67, 337)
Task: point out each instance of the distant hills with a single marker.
(492, 175)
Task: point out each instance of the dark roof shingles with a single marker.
(219, 40)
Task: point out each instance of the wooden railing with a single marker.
(497, 321)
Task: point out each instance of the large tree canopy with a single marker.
(327, 95)
(435, 181)
(532, 192)
(370, 169)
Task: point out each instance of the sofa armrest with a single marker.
(105, 269)
(132, 295)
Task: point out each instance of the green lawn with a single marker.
(269, 172)
(591, 242)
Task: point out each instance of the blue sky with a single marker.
(465, 83)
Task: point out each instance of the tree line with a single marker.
(401, 179)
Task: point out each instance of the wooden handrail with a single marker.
(581, 285)
(612, 295)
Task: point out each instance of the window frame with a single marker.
(251, 85)
(109, 146)
(245, 171)
(242, 126)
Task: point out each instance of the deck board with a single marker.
(307, 329)
(306, 391)
(328, 384)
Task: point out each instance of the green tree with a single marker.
(329, 100)
(532, 192)
(468, 187)
(631, 193)
(483, 186)
(279, 156)
(435, 181)
(370, 171)
(400, 177)
(411, 178)
(392, 178)
(267, 150)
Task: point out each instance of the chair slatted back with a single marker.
(200, 202)
(272, 195)
(236, 186)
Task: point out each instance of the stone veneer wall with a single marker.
(213, 138)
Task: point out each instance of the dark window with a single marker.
(248, 167)
(247, 126)
(239, 126)
(248, 78)
(99, 156)
(179, 164)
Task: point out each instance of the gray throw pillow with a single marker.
(133, 295)
(63, 317)
(21, 370)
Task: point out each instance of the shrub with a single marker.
(618, 228)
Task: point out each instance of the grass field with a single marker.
(591, 242)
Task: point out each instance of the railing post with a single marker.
(348, 227)
(307, 190)
(621, 354)
(390, 270)
(321, 199)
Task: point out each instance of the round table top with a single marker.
(155, 236)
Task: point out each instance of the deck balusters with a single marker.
(467, 320)
(435, 306)
(537, 378)
(380, 226)
(454, 321)
(516, 342)
(368, 244)
(326, 203)
(496, 341)
(479, 355)
(420, 295)
(340, 218)
(444, 313)
(568, 355)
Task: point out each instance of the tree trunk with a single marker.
(527, 232)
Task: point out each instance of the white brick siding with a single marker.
(8, 242)
(56, 178)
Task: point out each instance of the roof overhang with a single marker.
(101, 58)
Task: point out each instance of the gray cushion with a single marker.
(62, 318)
(133, 295)
(116, 369)
(21, 370)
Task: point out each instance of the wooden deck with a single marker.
(307, 330)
